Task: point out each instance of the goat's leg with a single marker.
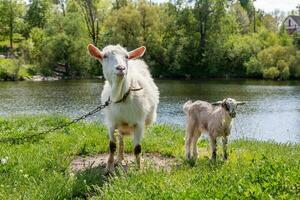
(224, 142)
(188, 139)
(138, 132)
(194, 144)
(213, 143)
(120, 158)
(112, 149)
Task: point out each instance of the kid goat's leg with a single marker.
(194, 144)
(188, 139)
(225, 141)
(213, 143)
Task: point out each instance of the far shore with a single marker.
(41, 78)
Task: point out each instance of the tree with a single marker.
(269, 22)
(208, 14)
(241, 16)
(91, 18)
(247, 5)
(119, 4)
(36, 15)
(10, 12)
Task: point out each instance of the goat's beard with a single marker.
(120, 75)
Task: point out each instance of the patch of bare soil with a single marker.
(154, 160)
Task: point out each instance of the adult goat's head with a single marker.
(114, 59)
(230, 105)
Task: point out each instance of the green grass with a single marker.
(39, 169)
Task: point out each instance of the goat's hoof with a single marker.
(191, 162)
(188, 157)
(109, 169)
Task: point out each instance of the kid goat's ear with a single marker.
(217, 103)
(95, 52)
(137, 53)
(240, 103)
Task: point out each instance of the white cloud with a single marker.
(268, 5)
(271, 5)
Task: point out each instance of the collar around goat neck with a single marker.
(127, 94)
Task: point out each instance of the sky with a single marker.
(271, 5)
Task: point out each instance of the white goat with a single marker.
(133, 94)
(215, 118)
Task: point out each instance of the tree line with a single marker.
(184, 38)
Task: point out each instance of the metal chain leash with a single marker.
(28, 137)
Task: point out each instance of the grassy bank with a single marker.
(39, 169)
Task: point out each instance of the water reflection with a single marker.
(272, 111)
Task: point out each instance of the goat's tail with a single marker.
(186, 106)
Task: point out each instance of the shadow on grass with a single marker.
(204, 162)
(85, 181)
(89, 180)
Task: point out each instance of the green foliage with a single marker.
(39, 169)
(253, 67)
(12, 69)
(37, 13)
(240, 48)
(241, 17)
(275, 62)
(9, 69)
(11, 12)
(195, 39)
(297, 40)
(271, 73)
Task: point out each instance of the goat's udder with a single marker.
(125, 129)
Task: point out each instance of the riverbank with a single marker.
(41, 78)
(40, 169)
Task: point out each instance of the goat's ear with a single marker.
(95, 52)
(137, 53)
(217, 103)
(240, 103)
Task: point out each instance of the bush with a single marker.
(285, 74)
(295, 65)
(9, 69)
(271, 73)
(253, 67)
(26, 71)
(275, 62)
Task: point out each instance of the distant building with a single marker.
(292, 24)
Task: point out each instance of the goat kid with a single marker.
(215, 118)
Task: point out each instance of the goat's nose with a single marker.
(120, 67)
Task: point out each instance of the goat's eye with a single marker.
(126, 56)
(104, 56)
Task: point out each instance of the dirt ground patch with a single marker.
(155, 160)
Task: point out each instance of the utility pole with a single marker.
(298, 7)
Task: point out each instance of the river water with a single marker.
(272, 111)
